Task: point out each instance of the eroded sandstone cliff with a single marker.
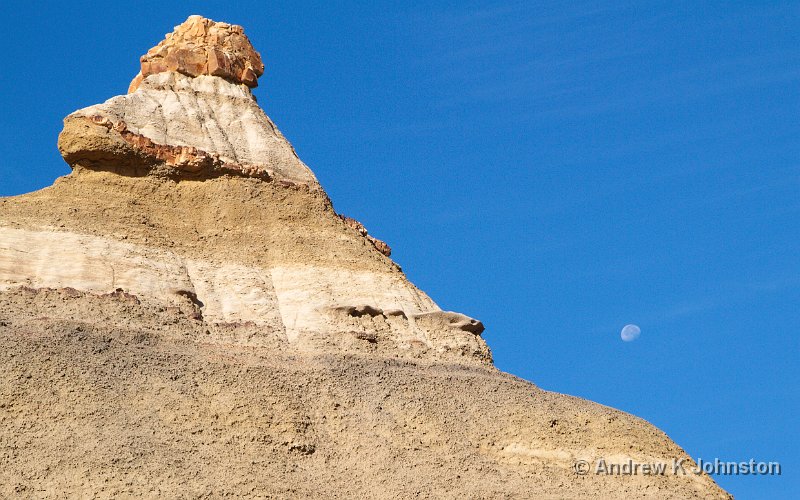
(185, 314)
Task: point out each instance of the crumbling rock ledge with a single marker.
(141, 151)
(379, 245)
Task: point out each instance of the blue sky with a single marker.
(555, 171)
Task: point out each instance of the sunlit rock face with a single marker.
(294, 299)
(186, 314)
(200, 46)
(194, 126)
(189, 112)
(192, 129)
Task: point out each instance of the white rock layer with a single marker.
(208, 113)
(301, 299)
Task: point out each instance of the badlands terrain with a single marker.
(185, 315)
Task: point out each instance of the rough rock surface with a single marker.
(252, 252)
(182, 127)
(200, 46)
(186, 315)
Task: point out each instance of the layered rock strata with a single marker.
(188, 127)
(185, 314)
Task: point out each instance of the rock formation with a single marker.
(200, 46)
(185, 314)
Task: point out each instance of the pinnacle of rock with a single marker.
(186, 307)
(189, 113)
(201, 46)
(288, 263)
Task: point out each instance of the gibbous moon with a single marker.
(630, 333)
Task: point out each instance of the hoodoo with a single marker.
(185, 313)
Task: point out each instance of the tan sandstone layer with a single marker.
(252, 252)
(105, 397)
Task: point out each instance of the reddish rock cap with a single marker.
(201, 46)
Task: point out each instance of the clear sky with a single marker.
(555, 171)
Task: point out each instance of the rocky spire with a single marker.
(188, 288)
(188, 113)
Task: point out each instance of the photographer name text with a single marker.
(682, 466)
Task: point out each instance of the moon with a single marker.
(630, 333)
